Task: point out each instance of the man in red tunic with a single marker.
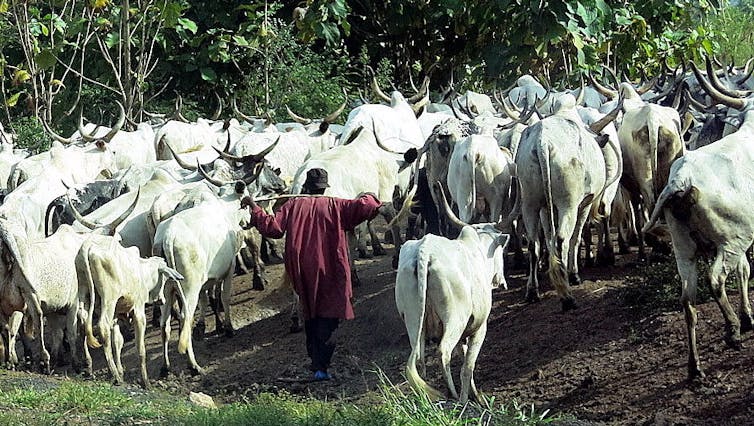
(316, 258)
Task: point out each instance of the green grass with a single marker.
(36, 400)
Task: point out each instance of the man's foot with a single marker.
(320, 376)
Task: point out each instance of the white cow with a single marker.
(121, 282)
(444, 289)
(562, 176)
(706, 203)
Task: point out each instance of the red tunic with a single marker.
(316, 248)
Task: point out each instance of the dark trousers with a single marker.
(319, 346)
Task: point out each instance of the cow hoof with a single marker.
(257, 283)
(623, 249)
(532, 297)
(747, 323)
(606, 258)
(395, 262)
(378, 251)
(574, 279)
(45, 368)
(589, 262)
(229, 331)
(696, 375)
(568, 304)
(164, 371)
(388, 237)
(363, 254)
(146, 385)
(198, 332)
(196, 371)
(733, 340)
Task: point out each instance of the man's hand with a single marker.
(247, 201)
(368, 193)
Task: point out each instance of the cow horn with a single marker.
(509, 111)
(604, 91)
(696, 104)
(717, 84)
(716, 94)
(57, 137)
(334, 115)
(612, 75)
(297, 118)
(88, 137)
(116, 128)
(354, 134)
(417, 107)
(379, 142)
(178, 115)
(260, 156)
(114, 224)
(411, 81)
(376, 88)
(219, 109)
(747, 72)
(422, 92)
(647, 86)
(456, 112)
(247, 118)
(207, 177)
(364, 100)
(600, 124)
(448, 211)
(255, 175)
(582, 90)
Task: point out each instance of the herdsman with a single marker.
(316, 258)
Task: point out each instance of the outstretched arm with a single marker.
(270, 226)
(355, 211)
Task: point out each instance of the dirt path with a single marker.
(603, 363)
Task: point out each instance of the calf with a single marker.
(122, 282)
(444, 287)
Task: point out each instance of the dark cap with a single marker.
(316, 179)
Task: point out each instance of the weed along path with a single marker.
(620, 358)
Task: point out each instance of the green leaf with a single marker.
(240, 41)
(188, 24)
(112, 40)
(208, 74)
(13, 100)
(3, 6)
(45, 59)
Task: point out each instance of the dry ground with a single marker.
(602, 363)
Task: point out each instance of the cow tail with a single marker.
(473, 162)
(87, 273)
(595, 215)
(184, 336)
(422, 272)
(555, 272)
(653, 130)
(671, 189)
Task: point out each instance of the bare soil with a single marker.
(604, 363)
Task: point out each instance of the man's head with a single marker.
(316, 181)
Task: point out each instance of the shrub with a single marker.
(30, 135)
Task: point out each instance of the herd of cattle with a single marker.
(108, 221)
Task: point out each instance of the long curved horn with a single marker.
(510, 112)
(604, 91)
(297, 118)
(421, 104)
(379, 142)
(260, 156)
(714, 93)
(696, 104)
(88, 137)
(411, 81)
(376, 88)
(114, 224)
(456, 112)
(57, 137)
(334, 115)
(219, 109)
(254, 175)
(422, 92)
(600, 124)
(582, 90)
(717, 84)
(177, 114)
(747, 72)
(364, 100)
(89, 224)
(354, 134)
(248, 118)
(647, 86)
(116, 128)
(208, 178)
(448, 211)
(612, 75)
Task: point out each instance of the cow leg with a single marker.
(377, 249)
(573, 247)
(640, 235)
(606, 255)
(726, 260)
(226, 291)
(532, 283)
(360, 233)
(56, 329)
(685, 257)
(185, 344)
(36, 317)
(118, 347)
(567, 234)
(454, 328)
(744, 308)
(469, 363)
(198, 330)
(106, 327)
(140, 325)
(72, 335)
(165, 315)
(14, 324)
(588, 259)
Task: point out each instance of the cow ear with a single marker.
(602, 140)
(503, 241)
(101, 145)
(240, 187)
(410, 155)
(323, 126)
(733, 121)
